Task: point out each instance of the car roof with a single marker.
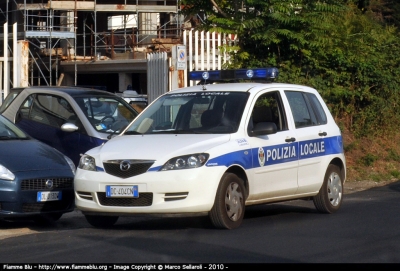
(239, 87)
(72, 91)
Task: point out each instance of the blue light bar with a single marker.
(240, 74)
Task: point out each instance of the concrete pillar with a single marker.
(6, 70)
(148, 24)
(67, 22)
(23, 63)
(124, 79)
(67, 80)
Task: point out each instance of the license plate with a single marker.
(48, 196)
(115, 191)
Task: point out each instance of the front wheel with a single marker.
(47, 219)
(99, 221)
(330, 196)
(228, 209)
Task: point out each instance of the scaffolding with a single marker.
(78, 30)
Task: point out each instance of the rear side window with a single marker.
(317, 107)
(306, 109)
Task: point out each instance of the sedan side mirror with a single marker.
(69, 127)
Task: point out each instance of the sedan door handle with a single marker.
(291, 139)
(322, 134)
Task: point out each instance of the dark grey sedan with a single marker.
(36, 180)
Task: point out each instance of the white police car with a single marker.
(214, 149)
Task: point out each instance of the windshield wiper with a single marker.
(7, 138)
(132, 133)
(179, 132)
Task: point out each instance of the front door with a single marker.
(42, 115)
(275, 156)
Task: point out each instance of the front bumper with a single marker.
(188, 191)
(18, 198)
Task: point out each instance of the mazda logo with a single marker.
(49, 184)
(125, 165)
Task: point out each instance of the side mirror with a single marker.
(69, 127)
(263, 128)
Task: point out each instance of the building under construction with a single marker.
(100, 43)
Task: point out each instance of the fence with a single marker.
(157, 75)
(204, 49)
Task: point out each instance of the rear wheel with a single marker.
(99, 221)
(330, 196)
(228, 209)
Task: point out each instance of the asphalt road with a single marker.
(365, 230)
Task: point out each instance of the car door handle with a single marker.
(291, 139)
(322, 134)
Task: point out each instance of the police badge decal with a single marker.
(261, 156)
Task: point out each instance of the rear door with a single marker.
(314, 135)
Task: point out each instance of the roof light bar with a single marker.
(240, 74)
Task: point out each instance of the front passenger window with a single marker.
(268, 108)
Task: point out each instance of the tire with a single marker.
(99, 221)
(229, 204)
(47, 219)
(330, 196)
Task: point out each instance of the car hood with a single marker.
(25, 155)
(157, 147)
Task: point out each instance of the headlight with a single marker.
(186, 161)
(71, 164)
(6, 174)
(87, 162)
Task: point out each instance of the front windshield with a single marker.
(188, 113)
(106, 114)
(9, 131)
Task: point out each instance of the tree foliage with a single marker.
(346, 49)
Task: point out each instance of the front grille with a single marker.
(144, 199)
(40, 184)
(113, 167)
(45, 206)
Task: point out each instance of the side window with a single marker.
(268, 108)
(23, 112)
(51, 110)
(317, 107)
(303, 114)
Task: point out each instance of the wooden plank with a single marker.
(89, 5)
(70, 5)
(32, 6)
(137, 8)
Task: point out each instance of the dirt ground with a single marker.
(355, 186)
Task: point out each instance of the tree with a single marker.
(337, 47)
